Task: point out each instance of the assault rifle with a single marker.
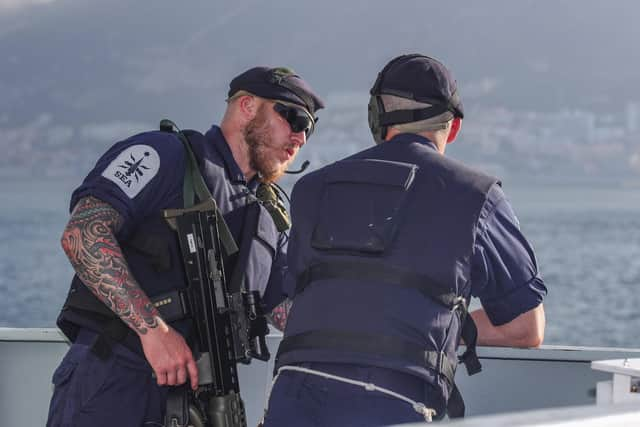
(230, 326)
(229, 323)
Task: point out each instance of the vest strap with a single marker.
(469, 334)
(172, 305)
(369, 344)
(250, 225)
(379, 272)
(379, 345)
(194, 185)
(369, 271)
(115, 331)
(455, 404)
(82, 300)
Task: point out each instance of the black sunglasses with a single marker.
(298, 119)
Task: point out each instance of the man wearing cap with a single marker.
(124, 253)
(387, 247)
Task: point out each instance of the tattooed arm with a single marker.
(97, 258)
(90, 244)
(280, 313)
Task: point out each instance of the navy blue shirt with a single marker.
(504, 270)
(144, 174)
(156, 184)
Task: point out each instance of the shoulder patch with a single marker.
(133, 169)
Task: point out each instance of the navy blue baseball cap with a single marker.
(278, 83)
(421, 78)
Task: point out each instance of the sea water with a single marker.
(586, 238)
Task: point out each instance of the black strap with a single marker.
(378, 272)
(384, 346)
(115, 331)
(195, 186)
(172, 305)
(370, 344)
(177, 406)
(81, 298)
(469, 334)
(455, 403)
(397, 117)
(202, 192)
(250, 226)
(352, 270)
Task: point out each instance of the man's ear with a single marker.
(456, 124)
(248, 106)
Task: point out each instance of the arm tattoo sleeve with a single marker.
(278, 316)
(97, 258)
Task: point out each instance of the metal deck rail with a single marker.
(512, 379)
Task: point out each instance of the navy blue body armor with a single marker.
(381, 247)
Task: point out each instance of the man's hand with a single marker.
(169, 356)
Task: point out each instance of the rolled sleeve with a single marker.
(504, 272)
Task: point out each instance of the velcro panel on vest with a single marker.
(381, 188)
(155, 248)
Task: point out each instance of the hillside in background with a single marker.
(550, 87)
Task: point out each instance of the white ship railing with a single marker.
(512, 379)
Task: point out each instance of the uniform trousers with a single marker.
(117, 391)
(301, 400)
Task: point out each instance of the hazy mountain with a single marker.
(75, 75)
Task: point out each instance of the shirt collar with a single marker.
(412, 137)
(231, 166)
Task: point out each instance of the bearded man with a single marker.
(124, 253)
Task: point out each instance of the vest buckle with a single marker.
(442, 358)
